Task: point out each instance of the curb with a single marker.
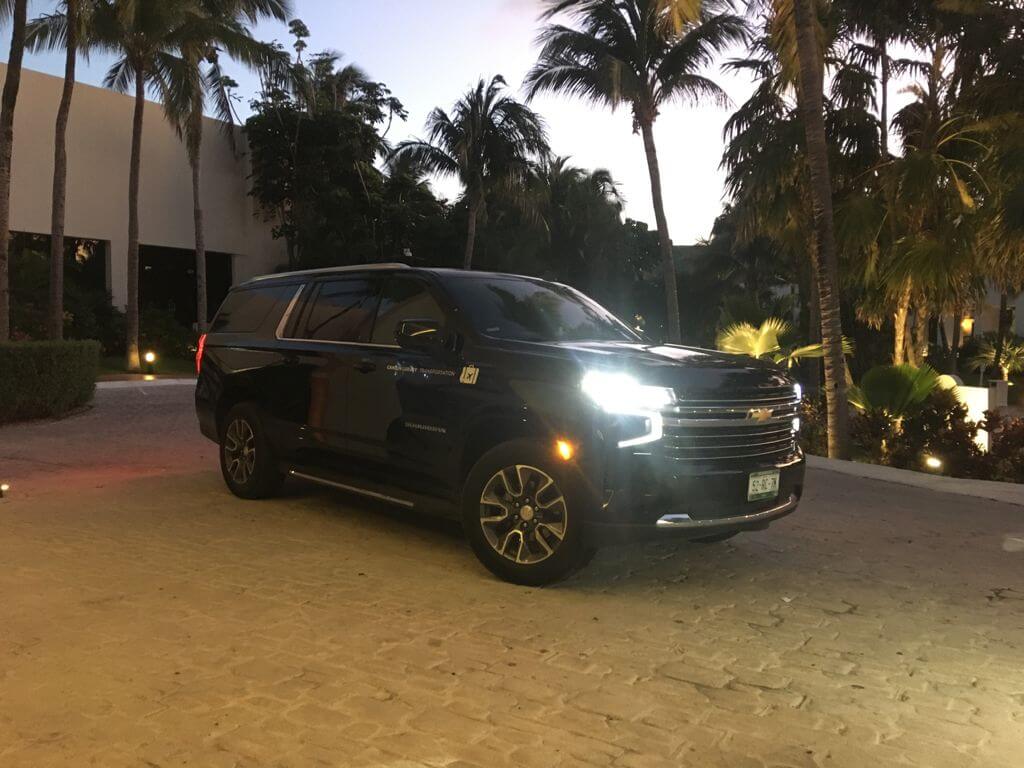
(1008, 493)
(142, 383)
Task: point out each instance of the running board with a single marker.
(351, 489)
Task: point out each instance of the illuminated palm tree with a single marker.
(642, 54)
(488, 140)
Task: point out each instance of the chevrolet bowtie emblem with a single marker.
(760, 414)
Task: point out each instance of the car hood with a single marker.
(688, 370)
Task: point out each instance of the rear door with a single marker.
(327, 341)
(402, 402)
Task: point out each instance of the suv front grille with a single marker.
(758, 426)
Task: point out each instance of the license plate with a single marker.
(763, 485)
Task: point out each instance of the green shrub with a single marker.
(1006, 455)
(814, 426)
(161, 332)
(940, 429)
(46, 378)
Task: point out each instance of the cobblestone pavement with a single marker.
(148, 618)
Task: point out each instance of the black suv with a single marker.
(547, 424)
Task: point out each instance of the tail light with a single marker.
(200, 348)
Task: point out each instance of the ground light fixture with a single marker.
(564, 449)
(150, 358)
(4, 489)
(934, 463)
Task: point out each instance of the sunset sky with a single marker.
(430, 51)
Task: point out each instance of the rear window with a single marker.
(342, 310)
(247, 310)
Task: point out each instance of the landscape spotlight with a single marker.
(564, 449)
(933, 463)
(4, 488)
(150, 358)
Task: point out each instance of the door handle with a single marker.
(366, 366)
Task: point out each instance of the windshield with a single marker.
(517, 309)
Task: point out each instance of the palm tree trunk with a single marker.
(60, 176)
(825, 263)
(921, 323)
(135, 168)
(202, 312)
(474, 214)
(884, 117)
(954, 351)
(668, 266)
(7, 104)
(900, 321)
(1002, 331)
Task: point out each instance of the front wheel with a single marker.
(523, 512)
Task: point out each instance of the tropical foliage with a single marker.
(771, 340)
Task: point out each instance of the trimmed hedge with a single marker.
(46, 378)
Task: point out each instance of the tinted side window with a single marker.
(404, 298)
(246, 310)
(342, 310)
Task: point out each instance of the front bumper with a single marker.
(649, 496)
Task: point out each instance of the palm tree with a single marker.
(146, 38)
(17, 11)
(825, 265)
(1009, 360)
(70, 30)
(221, 27)
(488, 140)
(642, 54)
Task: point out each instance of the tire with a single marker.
(553, 520)
(247, 460)
(718, 537)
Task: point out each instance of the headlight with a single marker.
(798, 391)
(621, 394)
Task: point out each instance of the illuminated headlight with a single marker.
(798, 391)
(621, 394)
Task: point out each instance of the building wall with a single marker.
(99, 144)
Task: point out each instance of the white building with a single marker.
(99, 143)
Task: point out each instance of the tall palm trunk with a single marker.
(60, 176)
(135, 168)
(919, 353)
(900, 321)
(7, 104)
(202, 314)
(825, 266)
(668, 267)
(884, 117)
(475, 203)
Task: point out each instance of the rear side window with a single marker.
(342, 310)
(404, 298)
(249, 309)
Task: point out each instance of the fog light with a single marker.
(564, 449)
(933, 462)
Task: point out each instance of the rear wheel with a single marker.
(524, 513)
(247, 460)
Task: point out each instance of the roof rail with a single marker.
(329, 270)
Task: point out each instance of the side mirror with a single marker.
(421, 335)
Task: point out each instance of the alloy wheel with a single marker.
(523, 514)
(240, 451)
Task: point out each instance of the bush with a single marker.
(814, 426)
(46, 378)
(940, 429)
(1006, 455)
(161, 332)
